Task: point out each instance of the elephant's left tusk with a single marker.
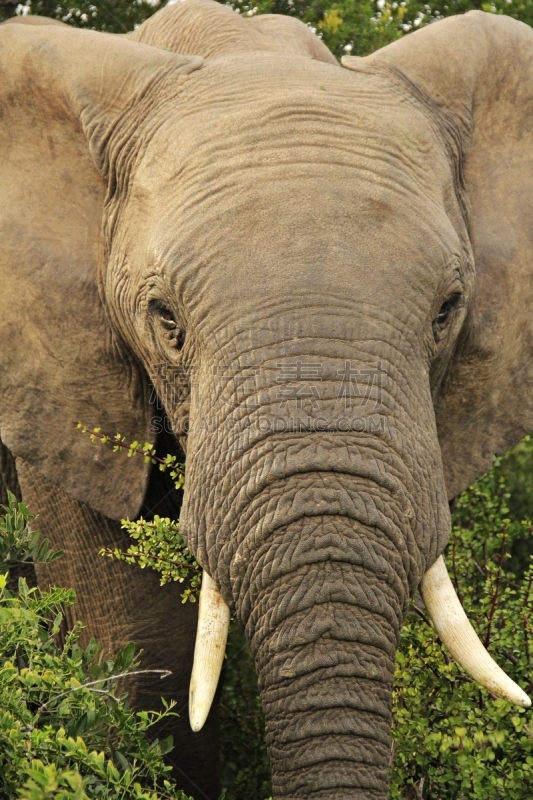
(460, 638)
(211, 638)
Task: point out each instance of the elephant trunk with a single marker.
(313, 524)
(324, 641)
(321, 598)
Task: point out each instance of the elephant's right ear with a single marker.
(473, 76)
(62, 92)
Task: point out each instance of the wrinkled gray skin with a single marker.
(220, 196)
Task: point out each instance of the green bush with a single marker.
(245, 765)
(451, 738)
(65, 731)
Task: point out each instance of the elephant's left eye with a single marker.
(162, 311)
(165, 314)
(442, 318)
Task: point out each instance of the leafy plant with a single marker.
(451, 738)
(158, 545)
(146, 450)
(245, 764)
(65, 731)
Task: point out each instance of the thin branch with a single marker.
(527, 592)
(526, 637)
(392, 753)
(420, 612)
(477, 565)
(105, 551)
(118, 443)
(164, 673)
(528, 730)
(511, 658)
(459, 594)
(497, 589)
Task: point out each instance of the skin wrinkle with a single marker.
(125, 149)
(352, 508)
(363, 662)
(393, 372)
(229, 445)
(255, 541)
(352, 772)
(346, 724)
(407, 402)
(345, 630)
(254, 514)
(402, 383)
(329, 693)
(368, 628)
(273, 470)
(292, 594)
(353, 575)
(231, 482)
(361, 768)
(346, 627)
(350, 571)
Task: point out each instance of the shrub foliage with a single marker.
(451, 738)
(65, 731)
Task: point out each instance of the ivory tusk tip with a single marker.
(525, 700)
(197, 718)
(199, 706)
(512, 693)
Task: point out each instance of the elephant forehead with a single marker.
(297, 225)
(241, 114)
(323, 244)
(293, 178)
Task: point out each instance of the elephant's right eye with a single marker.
(442, 318)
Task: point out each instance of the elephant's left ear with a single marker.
(63, 94)
(475, 73)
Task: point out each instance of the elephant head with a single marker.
(325, 273)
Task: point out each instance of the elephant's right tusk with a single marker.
(460, 638)
(211, 638)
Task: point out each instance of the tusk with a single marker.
(460, 638)
(211, 638)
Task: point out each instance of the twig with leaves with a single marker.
(147, 450)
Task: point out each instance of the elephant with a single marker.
(313, 282)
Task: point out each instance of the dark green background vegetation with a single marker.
(346, 26)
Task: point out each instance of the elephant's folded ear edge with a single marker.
(460, 64)
(60, 361)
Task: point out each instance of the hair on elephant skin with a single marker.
(324, 273)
